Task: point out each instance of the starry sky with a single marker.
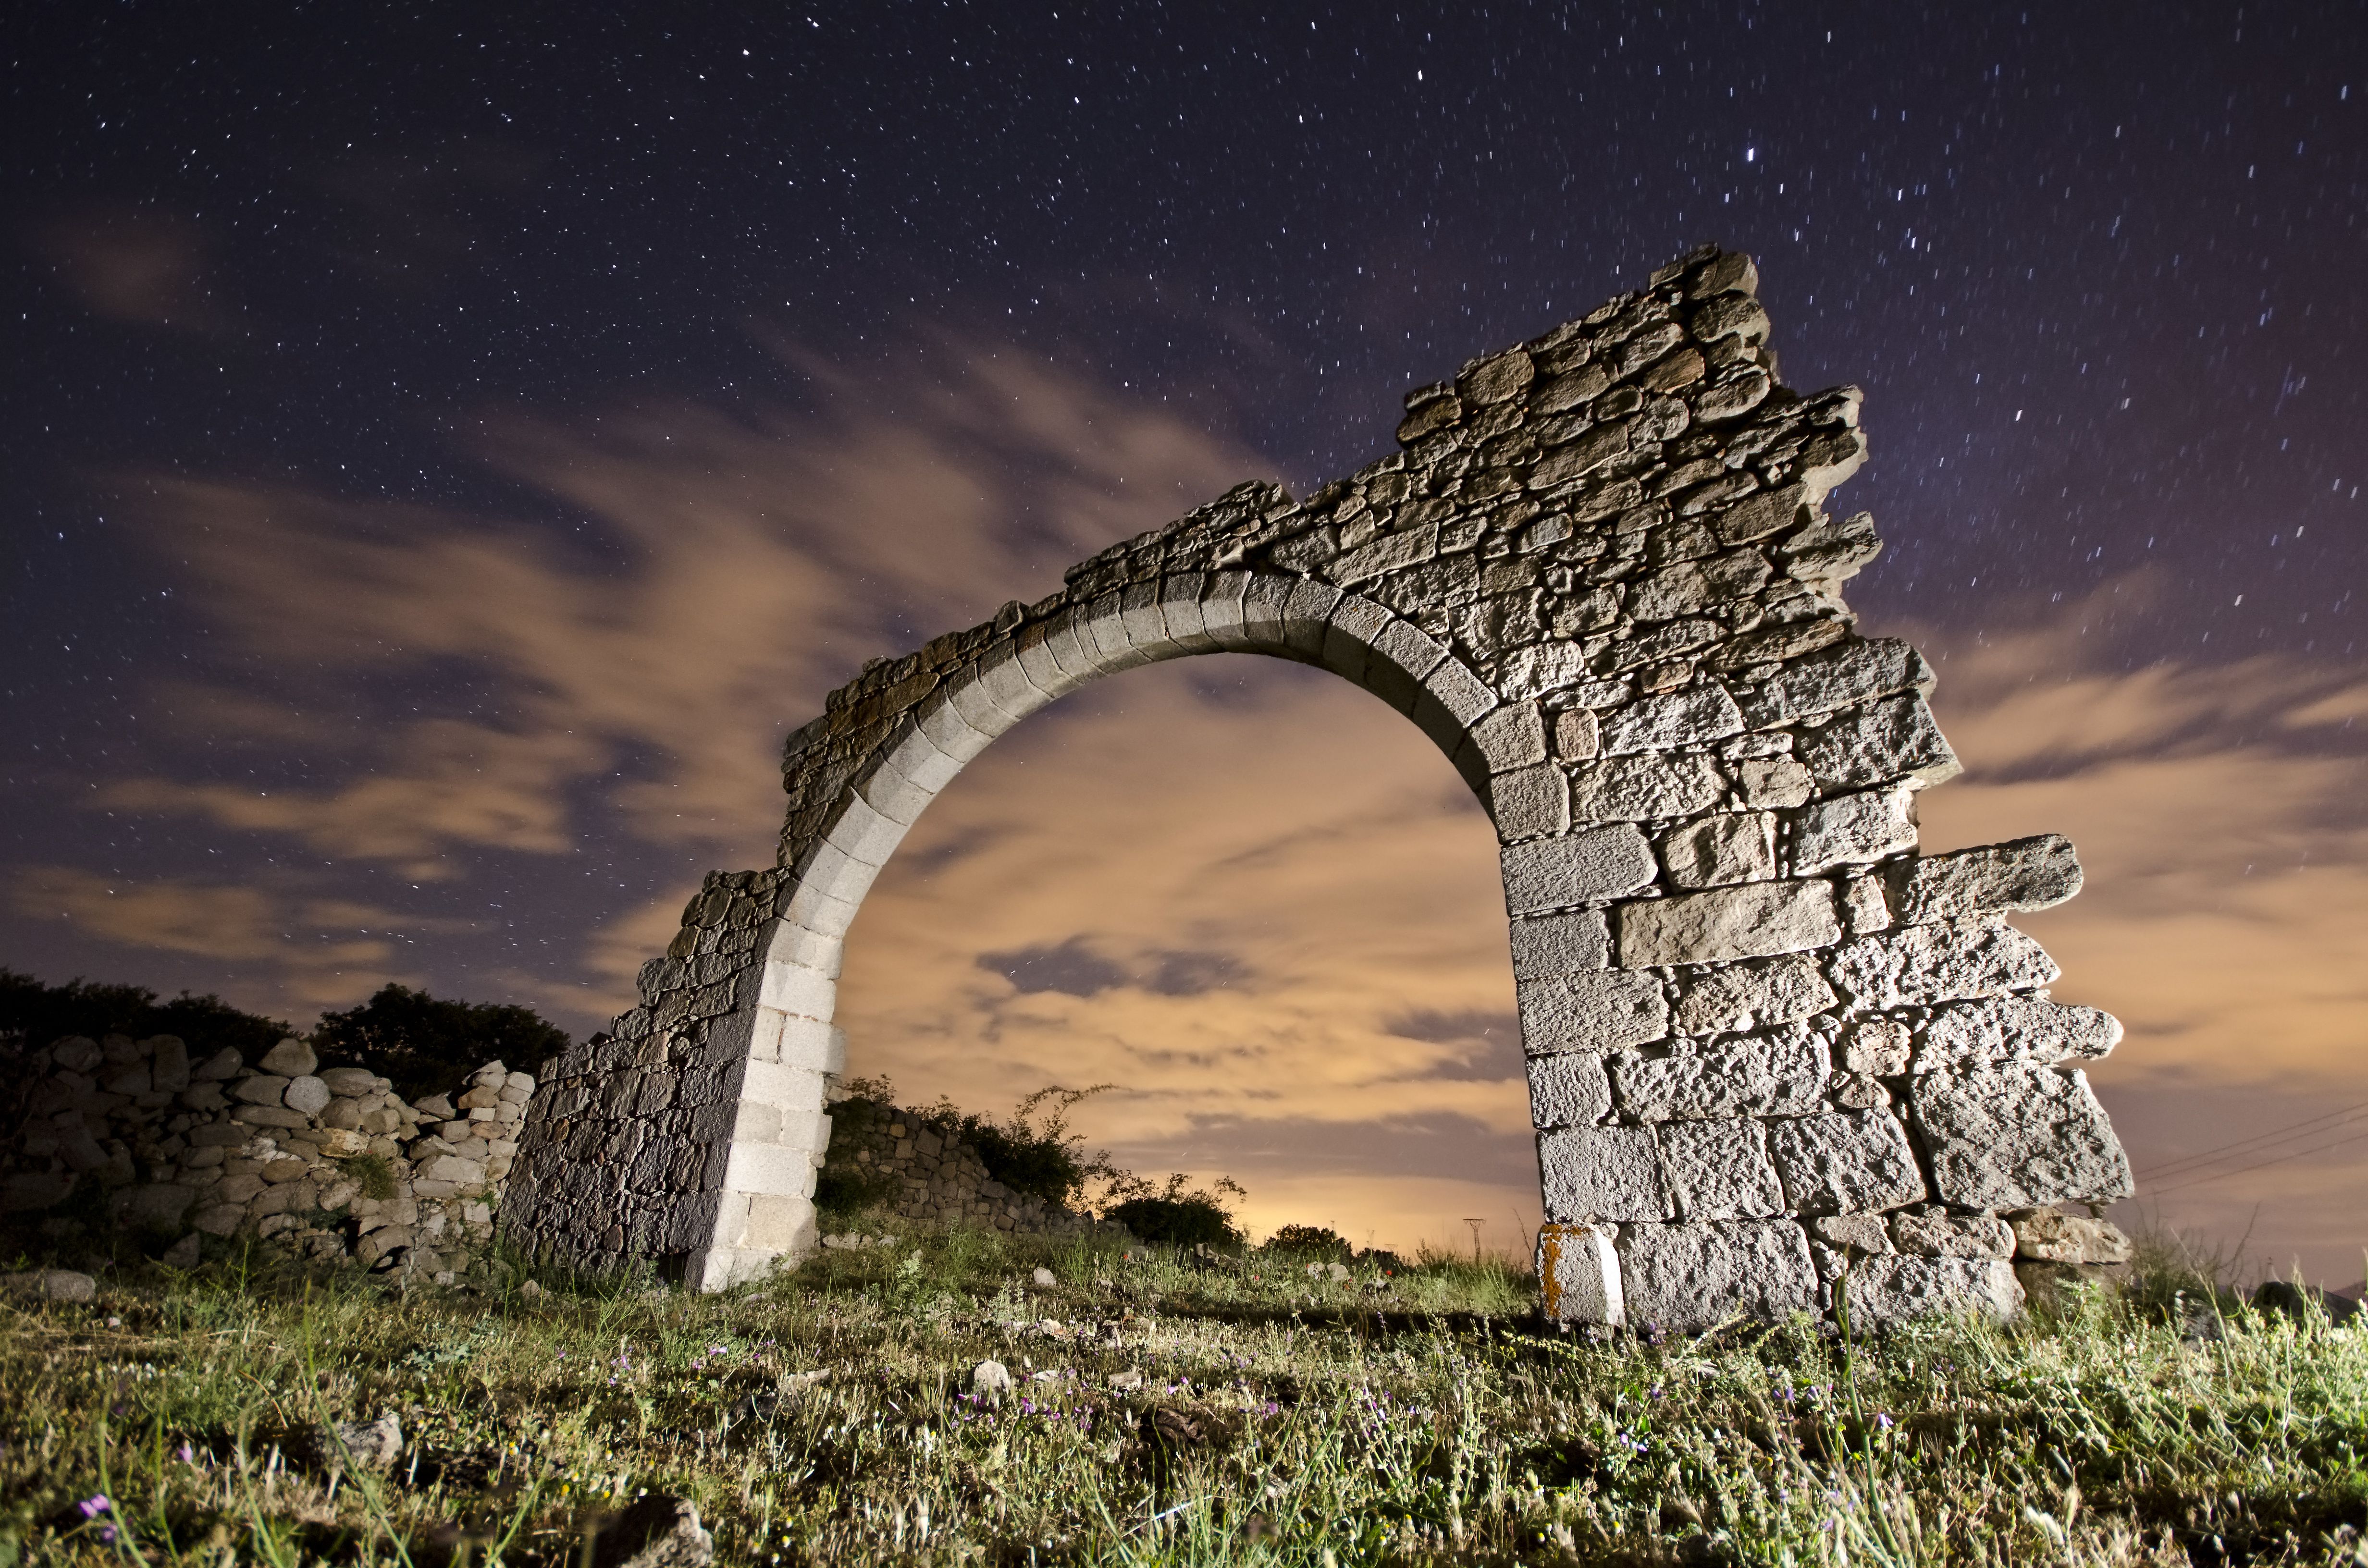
(449, 448)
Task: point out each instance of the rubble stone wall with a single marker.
(930, 1176)
(331, 1163)
(1766, 1039)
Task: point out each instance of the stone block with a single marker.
(1937, 1233)
(1773, 782)
(2012, 1137)
(262, 1088)
(1599, 1010)
(1756, 920)
(1779, 1073)
(1883, 1292)
(306, 1094)
(1878, 1048)
(1541, 667)
(1579, 868)
(1530, 802)
(1845, 1163)
(1893, 739)
(1853, 829)
(1723, 849)
(1561, 943)
(1847, 674)
(1755, 995)
(169, 1066)
(1758, 515)
(1720, 1170)
(1917, 966)
(292, 1058)
(1509, 738)
(2028, 873)
(1692, 1278)
(221, 1064)
(1601, 1174)
(1579, 1275)
(1848, 1234)
(1693, 717)
(2051, 1237)
(350, 1082)
(159, 1205)
(1645, 789)
(1568, 1091)
(2013, 1027)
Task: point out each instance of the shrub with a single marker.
(40, 1014)
(1173, 1216)
(428, 1045)
(845, 1192)
(1042, 1159)
(1310, 1240)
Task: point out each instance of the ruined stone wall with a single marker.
(331, 1163)
(1765, 1036)
(933, 1178)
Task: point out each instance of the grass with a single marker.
(828, 1417)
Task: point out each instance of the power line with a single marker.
(2274, 1160)
(2186, 1163)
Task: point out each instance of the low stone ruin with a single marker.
(1768, 1040)
(329, 1163)
(933, 1178)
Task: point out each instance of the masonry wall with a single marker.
(331, 1163)
(1767, 1040)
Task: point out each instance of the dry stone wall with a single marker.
(330, 1162)
(1768, 1040)
(926, 1174)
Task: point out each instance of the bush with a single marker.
(842, 1193)
(1041, 1160)
(428, 1045)
(40, 1014)
(1310, 1240)
(1174, 1217)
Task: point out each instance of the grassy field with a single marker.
(1161, 1413)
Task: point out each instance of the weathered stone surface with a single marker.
(349, 1081)
(1690, 1277)
(1882, 1292)
(1561, 943)
(2028, 873)
(1580, 867)
(1756, 995)
(1853, 829)
(2024, 1028)
(1696, 716)
(1942, 1234)
(2051, 1237)
(1645, 789)
(1779, 1074)
(1601, 1174)
(308, 1095)
(1720, 1170)
(1579, 1275)
(1756, 920)
(1570, 1090)
(1878, 1047)
(50, 1285)
(1596, 1010)
(2010, 1137)
(1773, 782)
(1919, 965)
(1530, 801)
(1849, 674)
(292, 1058)
(1845, 1163)
(1731, 847)
(1865, 1234)
(261, 1089)
(1893, 739)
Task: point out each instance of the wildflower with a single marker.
(186, 1454)
(1883, 1421)
(92, 1507)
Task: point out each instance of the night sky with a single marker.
(447, 455)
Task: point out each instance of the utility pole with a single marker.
(1475, 1225)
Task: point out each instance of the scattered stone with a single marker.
(360, 1445)
(50, 1285)
(2051, 1237)
(656, 1531)
(1042, 1280)
(990, 1378)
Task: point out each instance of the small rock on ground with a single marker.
(365, 1444)
(1043, 1279)
(990, 1378)
(657, 1531)
(51, 1285)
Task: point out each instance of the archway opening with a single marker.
(1257, 901)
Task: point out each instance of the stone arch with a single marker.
(1768, 1040)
